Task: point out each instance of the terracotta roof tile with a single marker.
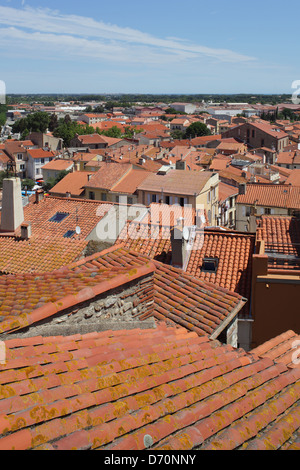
(181, 182)
(283, 349)
(109, 175)
(38, 255)
(58, 164)
(83, 213)
(271, 195)
(174, 295)
(184, 391)
(72, 183)
(234, 252)
(130, 182)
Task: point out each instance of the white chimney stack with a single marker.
(12, 215)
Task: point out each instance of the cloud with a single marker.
(79, 35)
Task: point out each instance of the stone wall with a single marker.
(122, 306)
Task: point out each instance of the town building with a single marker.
(36, 159)
(114, 181)
(54, 167)
(265, 199)
(183, 187)
(257, 135)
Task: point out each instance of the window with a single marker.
(42, 160)
(20, 156)
(153, 198)
(262, 142)
(91, 195)
(210, 265)
(208, 197)
(130, 201)
(181, 201)
(167, 200)
(267, 211)
(59, 217)
(69, 234)
(103, 197)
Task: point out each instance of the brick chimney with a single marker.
(179, 244)
(39, 194)
(12, 207)
(25, 231)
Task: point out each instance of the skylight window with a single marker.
(69, 234)
(59, 217)
(210, 265)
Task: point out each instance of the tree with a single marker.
(28, 183)
(112, 132)
(36, 122)
(177, 134)
(67, 129)
(197, 129)
(53, 123)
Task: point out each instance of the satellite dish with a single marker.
(78, 230)
(186, 233)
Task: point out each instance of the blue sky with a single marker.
(159, 46)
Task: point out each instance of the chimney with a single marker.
(25, 231)
(242, 188)
(180, 165)
(179, 244)
(39, 194)
(12, 207)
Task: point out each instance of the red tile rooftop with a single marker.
(177, 297)
(271, 195)
(25, 256)
(108, 390)
(72, 183)
(284, 349)
(234, 252)
(281, 236)
(79, 212)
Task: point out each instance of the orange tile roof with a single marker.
(130, 182)
(282, 349)
(175, 292)
(110, 390)
(271, 195)
(58, 164)
(204, 139)
(182, 182)
(38, 255)
(226, 191)
(40, 153)
(73, 183)
(177, 297)
(218, 164)
(109, 175)
(281, 235)
(97, 138)
(83, 213)
(293, 178)
(234, 252)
